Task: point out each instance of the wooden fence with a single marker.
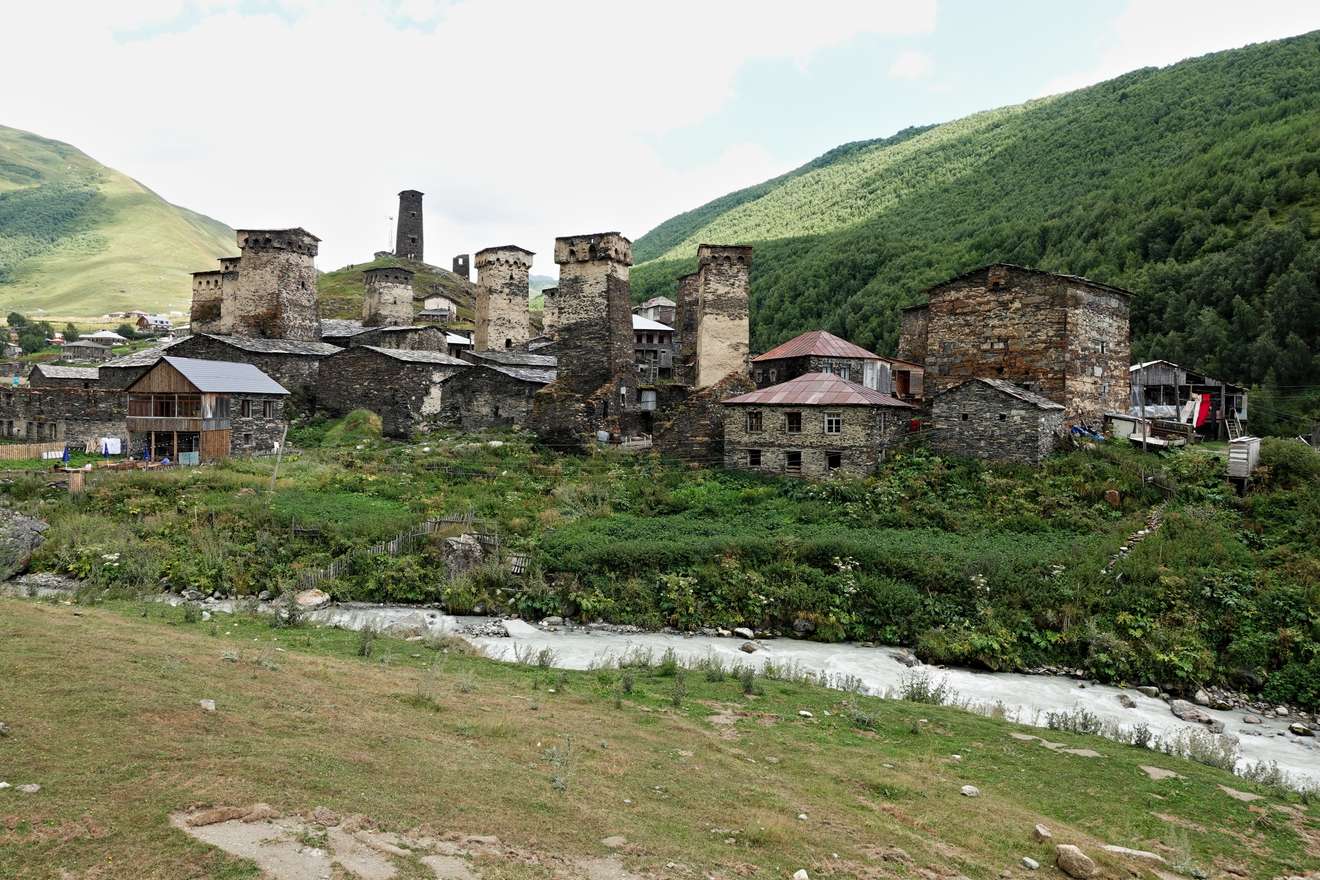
(404, 542)
(14, 451)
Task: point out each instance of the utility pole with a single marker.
(1141, 402)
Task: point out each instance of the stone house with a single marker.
(293, 363)
(404, 388)
(995, 419)
(57, 376)
(653, 349)
(819, 351)
(79, 416)
(658, 308)
(1060, 336)
(412, 337)
(492, 395)
(84, 350)
(814, 425)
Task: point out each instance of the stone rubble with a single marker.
(1073, 862)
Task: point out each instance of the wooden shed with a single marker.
(180, 408)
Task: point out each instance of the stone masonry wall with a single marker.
(550, 312)
(1099, 352)
(296, 372)
(389, 298)
(978, 421)
(408, 241)
(408, 397)
(690, 422)
(913, 333)
(255, 432)
(481, 398)
(722, 329)
(502, 321)
(685, 326)
(207, 301)
(74, 415)
(275, 294)
(866, 432)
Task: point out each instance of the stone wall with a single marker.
(414, 338)
(685, 327)
(979, 421)
(74, 415)
(722, 329)
(461, 267)
(408, 242)
(255, 432)
(502, 321)
(207, 301)
(389, 297)
(913, 333)
(481, 398)
(275, 294)
(408, 396)
(689, 422)
(550, 312)
(867, 432)
(296, 372)
(1099, 353)
(790, 368)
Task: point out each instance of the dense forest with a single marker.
(1196, 186)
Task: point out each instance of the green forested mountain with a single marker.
(1197, 186)
(78, 239)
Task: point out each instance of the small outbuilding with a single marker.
(995, 419)
(82, 350)
(59, 376)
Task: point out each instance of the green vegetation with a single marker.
(78, 239)
(1197, 186)
(968, 563)
(716, 771)
(340, 293)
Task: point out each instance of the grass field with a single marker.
(700, 778)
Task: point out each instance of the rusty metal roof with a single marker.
(819, 343)
(818, 389)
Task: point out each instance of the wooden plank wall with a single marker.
(214, 444)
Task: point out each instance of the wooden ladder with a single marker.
(1234, 428)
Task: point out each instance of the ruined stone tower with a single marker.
(712, 315)
(501, 308)
(550, 312)
(389, 297)
(461, 267)
(274, 295)
(408, 238)
(207, 301)
(596, 386)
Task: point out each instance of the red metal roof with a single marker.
(819, 343)
(819, 389)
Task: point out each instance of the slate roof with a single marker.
(1012, 390)
(52, 371)
(535, 375)
(144, 358)
(225, 377)
(516, 358)
(657, 301)
(416, 357)
(819, 343)
(341, 327)
(277, 346)
(1033, 271)
(640, 323)
(818, 389)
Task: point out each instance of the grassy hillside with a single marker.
(1197, 186)
(78, 239)
(340, 292)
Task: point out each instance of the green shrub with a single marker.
(1289, 463)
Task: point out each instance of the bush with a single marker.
(1288, 463)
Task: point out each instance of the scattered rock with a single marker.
(260, 813)
(207, 705)
(1030, 864)
(215, 815)
(1126, 702)
(1073, 862)
(1132, 853)
(1201, 698)
(1244, 796)
(1281, 711)
(206, 615)
(1042, 834)
(1158, 773)
(310, 600)
(906, 658)
(1187, 712)
(1251, 719)
(803, 713)
(970, 791)
(19, 536)
(747, 648)
(800, 874)
(552, 621)
(802, 817)
(743, 632)
(1297, 728)
(1149, 691)
(324, 816)
(614, 842)
(4, 729)
(263, 596)
(30, 788)
(1214, 725)
(803, 627)
(491, 629)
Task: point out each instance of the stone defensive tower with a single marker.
(462, 268)
(274, 295)
(408, 238)
(207, 301)
(712, 313)
(550, 312)
(389, 297)
(596, 386)
(501, 308)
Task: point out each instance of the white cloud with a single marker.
(1155, 33)
(911, 64)
(520, 120)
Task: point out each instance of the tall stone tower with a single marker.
(596, 386)
(207, 301)
(275, 292)
(389, 297)
(408, 239)
(461, 267)
(501, 308)
(714, 332)
(550, 312)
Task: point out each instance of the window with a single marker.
(833, 423)
(833, 461)
(754, 423)
(1104, 347)
(247, 439)
(268, 409)
(1003, 417)
(754, 458)
(793, 462)
(245, 409)
(773, 375)
(760, 376)
(793, 422)
(965, 417)
(222, 407)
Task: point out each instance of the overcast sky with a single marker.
(526, 120)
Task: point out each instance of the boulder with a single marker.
(19, 536)
(1126, 702)
(260, 813)
(1201, 698)
(1297, 728)
(1073, 862)
(463, 554)
(970, 791)
(803, 627)
(1187, 712)
(906, 658)
(1142, 854)
(747, 647)
(1041, 833)
(30, 788)
(215, 815)
(552, 621)
(324, 816)
(743, 632)
(1251, 719)
(1214, 725)
(800, 874)
(4, 729)
(310, 600)
(1030, 864)
(207, 705)
(1149, 690)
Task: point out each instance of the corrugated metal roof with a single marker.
(516, 358)
(416, 357)
(53, 371)
(225, 377)
(819, 343)
(277, 346)
(818, 389)
(640, 323)
(1010, 389)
